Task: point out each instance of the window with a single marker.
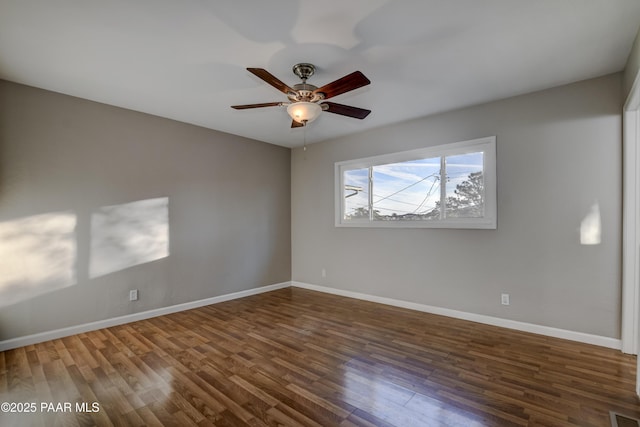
(445, 186)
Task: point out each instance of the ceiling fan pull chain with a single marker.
(304, 135)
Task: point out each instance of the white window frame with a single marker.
(485, 145)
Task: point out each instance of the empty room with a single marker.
(295, 213)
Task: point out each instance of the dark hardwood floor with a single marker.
(297, 357)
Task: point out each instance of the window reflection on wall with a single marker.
(591, 227)
(129, 234)
(37, 255)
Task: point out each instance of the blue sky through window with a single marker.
(406, 188)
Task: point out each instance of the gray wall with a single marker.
(97, 200)
(558, 155)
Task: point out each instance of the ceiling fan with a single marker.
(308, 101)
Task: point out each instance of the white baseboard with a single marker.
(107, 323)
(489, 320)
(480, 318)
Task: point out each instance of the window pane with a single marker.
(407, 191)
(439, 186)
(356, 194)
(465, 186)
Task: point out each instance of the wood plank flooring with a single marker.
(296, 357)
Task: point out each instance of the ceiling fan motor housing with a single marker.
(304, 92)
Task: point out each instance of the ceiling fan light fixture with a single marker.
(304, 112)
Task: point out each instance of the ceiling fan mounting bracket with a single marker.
(304, 70)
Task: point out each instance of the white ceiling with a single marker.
(187, 59)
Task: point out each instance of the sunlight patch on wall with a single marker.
(37, 255)
(129, 234)
(591, 227)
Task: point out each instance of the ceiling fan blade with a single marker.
(345, 84)
(247, 106)
(295, 124)
(346, 110)
(271, 79)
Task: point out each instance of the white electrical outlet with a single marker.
(324, 272)
(133, 295)
(505, 299)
